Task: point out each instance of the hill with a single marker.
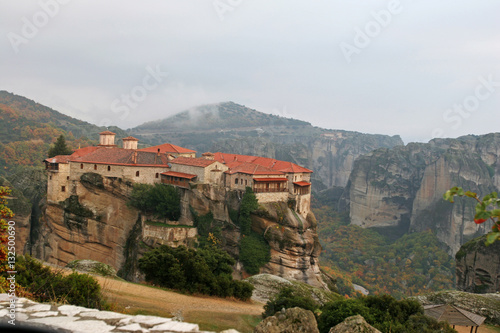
(28, 128)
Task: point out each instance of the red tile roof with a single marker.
(107, 133)
(193, 161)
(130, 138)
(179, 174)
(123, 157)
(168, 148)
(84, 151)
(270, 163)
(250, 168)
(58, 159)
(270, 179)
(302, 183)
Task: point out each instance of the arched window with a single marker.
(157, 175)
(95, 166)
(81, 166)
(109, 167)
(67, 177)
(236, 181)
(137, 173)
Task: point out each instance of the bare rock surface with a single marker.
(354, 324)
(294, 320)
(69, 318)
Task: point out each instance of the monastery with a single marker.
(270, 179)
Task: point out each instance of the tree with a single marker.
(5, 213)
(249, 203)
(487, 208)
(60, 147)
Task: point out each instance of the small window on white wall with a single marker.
(137, 173)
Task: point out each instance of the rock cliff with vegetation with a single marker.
(478, 266)
(400, 189)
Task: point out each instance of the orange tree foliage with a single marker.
(5, 213)
(414, 264)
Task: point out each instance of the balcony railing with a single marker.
(268, 190)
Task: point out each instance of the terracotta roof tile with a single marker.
(168, 148)
(250, 168)
(302, 183)
(107, 133)
(270, 163)
(193, 161)
(271, 179)
(130, 138)
(179, 174)
(123, 156)
(58, 159)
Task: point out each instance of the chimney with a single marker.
(134, 157)
(107, 139)
(208, 156)
(130, 142)
(158, 154)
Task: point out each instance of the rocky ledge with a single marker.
(70, 318)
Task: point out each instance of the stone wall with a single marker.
(147, 174)
(265, 197)
(171, 236)
(58, 183)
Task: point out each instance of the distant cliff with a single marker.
(401, 189)
(229, 127)
(478, 267)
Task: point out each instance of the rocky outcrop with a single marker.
(96, 223)
(266, 286)
(294, 242)
(402, 188)
(354, 324)
(478, 266)
(294, 320)
(486, 305)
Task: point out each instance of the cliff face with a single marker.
(478, 267)
(402, 188)
(96, 223)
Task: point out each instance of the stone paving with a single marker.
(70, 318)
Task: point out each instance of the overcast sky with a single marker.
(419, 69)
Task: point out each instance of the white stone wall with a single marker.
(272, 197)
(244, 180)
(204, 175)
(147, 174)
(58, 183)
(303, 204)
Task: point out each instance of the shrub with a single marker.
(46, 285)
(206, 271)
(287, 298)
(164, 201)
(254, 252)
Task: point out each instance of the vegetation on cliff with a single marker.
(163, 201)
(205, 271)
(413, 264)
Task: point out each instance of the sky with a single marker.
(418, 69)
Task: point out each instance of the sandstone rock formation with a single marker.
(267, 286)
(294, 320)
(96, 223)
(354, 324)
(478, 266)
(402, 188)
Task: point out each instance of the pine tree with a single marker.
(60, 147)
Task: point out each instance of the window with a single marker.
(95, 166)
(236, 181)
(137, 173)
(157, 175)
(109, 167)
(63, 188)
(67, 177)
(241, 181)
(50, 177)
(81, 166)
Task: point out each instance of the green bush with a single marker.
(287, 298)
(47, 285)
(254, 252)
(382, 312)
(206, 271)
(164, 201)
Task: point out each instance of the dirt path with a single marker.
(170, 301)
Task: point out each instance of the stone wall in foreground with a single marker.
(70, 318)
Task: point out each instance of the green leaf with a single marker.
(471, 194)
(492, 237)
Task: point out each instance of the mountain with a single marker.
(232, 128)
(400, 190)
(28, 128)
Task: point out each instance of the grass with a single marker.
(214, 321)
(165, 225)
